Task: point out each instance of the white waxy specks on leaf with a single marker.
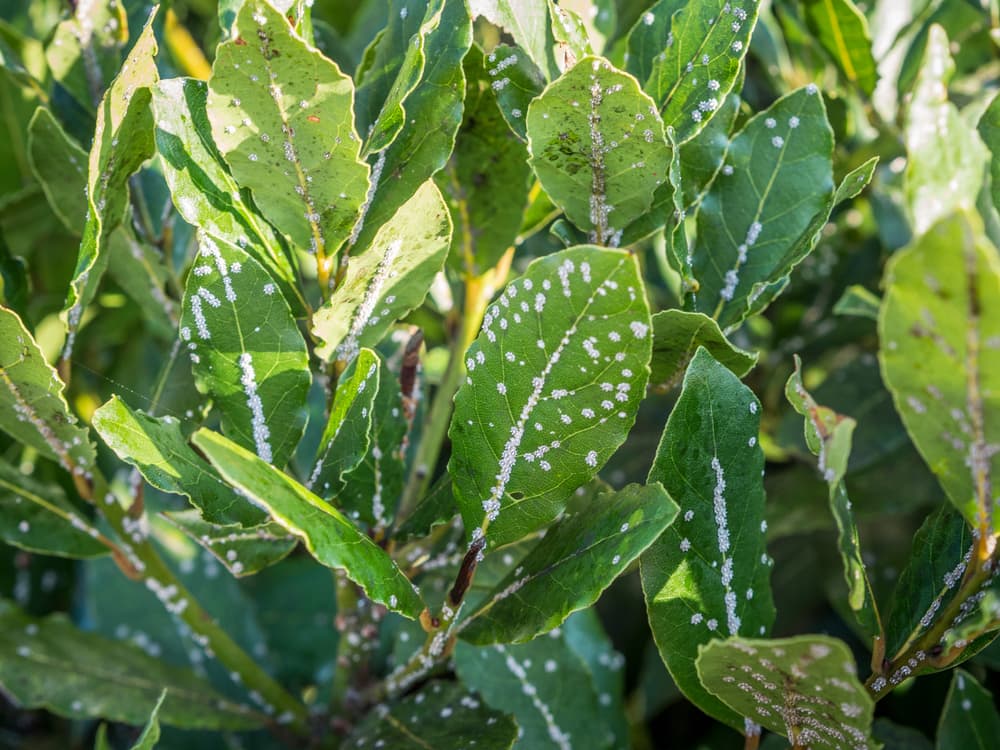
(364, 314)
(261, 433)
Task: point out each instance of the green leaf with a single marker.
(694, 60)
(677, 336)
(859, 302)
(708, 575)
(32, 408)
(855, 181)
(151, 732)
(440, 714)
(555, 379)
(331, 538)
(246, 350)
(433, 116)
(141, 272)
(828, 436)
(394, 71)
(581, 555)
(436, 507)
(282, 116)
(244, 551)
(373, 487)
(85, 50)
(60, 166)
(486, 180)
(939, 333)
(389, 279)
(842, 30)
(598, 148)
(545, 685)
(989, 131)
(969, 719)
(123, 140)
(38, 518)
(762, 213)
(515, 81)
(347, 435)
(702, 157)
(945, 156)
(159, 450)
(204, 192)
(804, 688)
(49, 663)
(528, 23)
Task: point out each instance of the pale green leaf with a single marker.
(698, 61)
(389, 279)
(804, 688)
(708, 575)
(554, 382)
(49, 663)
(151, 732)
(32, 407)
(438, 715)
(580, 556)
(141, 272)
(528, 23)
(243, 551)
(969, 720)
(939, 333)
(828, 436)
(761, 215)
(842, 30)
(597, 146)
(37, 517)
(158, 449)
(677, 335)
(123, 140)
(246, 350)
(60, 166)
(347, 434)
(282, 116)
(946, 159)
(85, 50)
(204, 192)
(486, 181)
(331, 538)
(515, 81)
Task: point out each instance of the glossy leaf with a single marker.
(708, 575)
(969, 719)
(945, 156)
(246, 350)
(282, 116)
(486, 180)
(389, 279)
(762, 213)
(37, 517)
(440, 714)
(515, 81)
(123, 140)
(677, 336)
(159, 450)
(50, 663)
(528, 22)
(828, 436)
(804, 688)
(696, 63)
(842, 30)
(939, 329)
(394, 71)
(204, 192)
(598, 148)
(60, 166)
(554, 382)
(544, 684)
(32, 407)
(581, 555)
(331, 538)
(243, 551)
(347, 435)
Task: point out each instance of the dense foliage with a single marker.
(499, 373)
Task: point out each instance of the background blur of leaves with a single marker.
(890, 486)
